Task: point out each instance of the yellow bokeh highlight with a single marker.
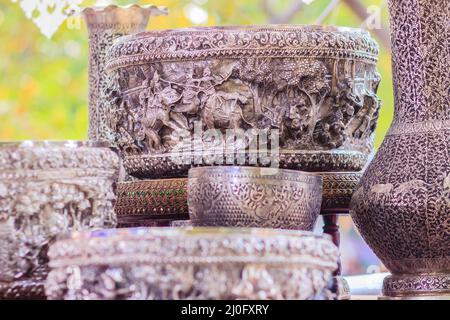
(44, 88)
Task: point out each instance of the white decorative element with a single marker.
(308, 2)
(196, 14)
(48, 15)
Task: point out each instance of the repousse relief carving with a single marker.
(318, 88)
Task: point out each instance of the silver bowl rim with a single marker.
(247, 28)
(255, 171)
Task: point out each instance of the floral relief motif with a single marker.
(264, 203)
(40, 198)
(147, 264)
(190, 283)
(239, 198)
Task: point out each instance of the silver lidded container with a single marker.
(191, 263)
(49, 188)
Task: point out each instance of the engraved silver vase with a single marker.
(106, 24)
(402, 205)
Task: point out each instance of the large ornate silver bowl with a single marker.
(191, 263)
(48, 188)
(254, 197)
(314, 87)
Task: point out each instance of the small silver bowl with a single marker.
(254, 197)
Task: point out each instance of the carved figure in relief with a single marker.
(222, 110)
(154, 114)
(366, 119)
(293, 95)
(330, 131)
(298, 119)
(156, 102)
(346, 101)
(192, 95)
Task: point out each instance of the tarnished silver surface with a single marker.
(191, 263)
(105, 24)
(338, 188)
(254, 197)
(402, 204)
(315, 85)
(48, 188)
(406, 286)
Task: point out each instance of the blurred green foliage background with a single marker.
(44, 83)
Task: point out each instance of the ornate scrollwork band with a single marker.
(47, 189)
(271, 41)
(191, 263)
(172, 166)
(419, 127)
(417, 285)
